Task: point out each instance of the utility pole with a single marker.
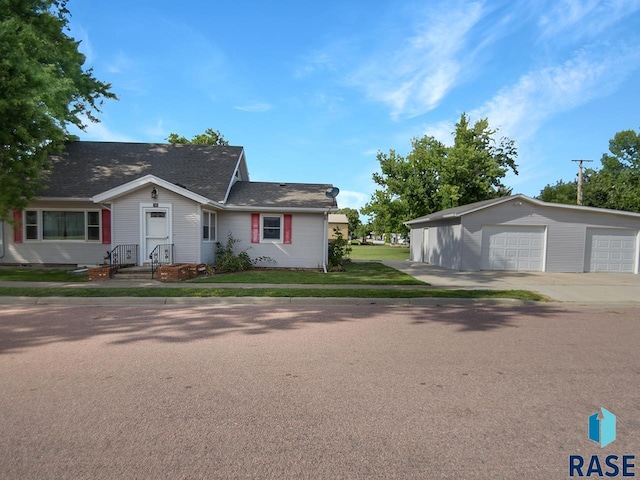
(580, 178)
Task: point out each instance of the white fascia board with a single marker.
(62, 199)
(233, 176)
(258, 208)
(151, 180)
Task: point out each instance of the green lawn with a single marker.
(265, 292)
(369, 273)
(379, 252)
(40, 275)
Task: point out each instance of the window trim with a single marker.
(40, 225)
(280, 217)
(212, 224)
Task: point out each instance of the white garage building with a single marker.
(522, 233)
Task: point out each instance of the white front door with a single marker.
(156, 230)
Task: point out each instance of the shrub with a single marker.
(339, 249)
(228, 262)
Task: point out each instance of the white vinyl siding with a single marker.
(306, 250)
(611, 250)
(185, 227)
(52, 252)
(439, 244)
(566, 242)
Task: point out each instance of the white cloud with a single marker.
(417, 72)
(584, 18)
(121, 64)
(99, 132)
(521, 109)
(351, 199)
(157, 131)
(255, 107)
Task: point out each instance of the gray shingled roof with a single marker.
(89, 168)
(280, 195)
(461, 210)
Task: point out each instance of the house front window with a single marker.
(209, 226)
(52, 225)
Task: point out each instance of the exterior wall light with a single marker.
(154, 193)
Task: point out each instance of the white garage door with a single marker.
(610, 250)
(512, 248)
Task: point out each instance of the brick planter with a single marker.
(196, 269)
(173, 273)
(103, 272)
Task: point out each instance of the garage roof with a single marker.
(474, 207)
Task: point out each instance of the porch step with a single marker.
(133, 273)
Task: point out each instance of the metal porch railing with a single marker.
(123, 256)
(161, 255)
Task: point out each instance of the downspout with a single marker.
(325, 247)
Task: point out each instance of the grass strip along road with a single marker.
(264, 292)
(364, 280)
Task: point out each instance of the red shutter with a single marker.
(106, 226)
(287, 228)
(17, 226)
(255, 228)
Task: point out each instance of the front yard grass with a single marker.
(28, 274)
(379, 252)
(369, 273)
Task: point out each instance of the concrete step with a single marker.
(134, 273)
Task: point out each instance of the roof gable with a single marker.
(89, 169)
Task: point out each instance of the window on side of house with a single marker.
(93, 226)
(62, 225)
(31, 224)
(272, 227)
(209, 226)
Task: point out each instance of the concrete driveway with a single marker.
(588, 288)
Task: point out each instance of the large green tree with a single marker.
(560, 192)
(43, 90)
(434, 176)
(209, 137)
(615, 185)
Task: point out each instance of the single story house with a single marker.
(341, 222)
(178, 199)
(522, 233)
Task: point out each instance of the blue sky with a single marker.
(314, 90)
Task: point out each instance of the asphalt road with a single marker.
(442, 392)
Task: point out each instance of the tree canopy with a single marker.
(616, 185)
(354, 219)
(209, 137)
(560, 192)
(43, 90)
(434, 176)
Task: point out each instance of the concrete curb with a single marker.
(212, 301)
